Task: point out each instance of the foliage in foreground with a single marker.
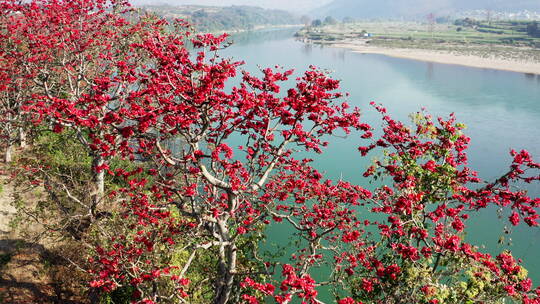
(183, 177)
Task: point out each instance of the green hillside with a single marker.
(213, 18)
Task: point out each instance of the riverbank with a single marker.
(501, 45)
(444, 57)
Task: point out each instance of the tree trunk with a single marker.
(228, 257)
(225, 284)
(98, 179)
(22, 138)
(8, 154)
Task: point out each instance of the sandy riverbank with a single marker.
(445, 58)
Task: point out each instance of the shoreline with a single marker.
(443, 57)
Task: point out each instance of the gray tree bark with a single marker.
(98, 179)
(22, 138)
(228, 258)
(8, 157)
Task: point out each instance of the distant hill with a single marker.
(368, 9)
(217, 18)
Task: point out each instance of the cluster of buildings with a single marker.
(497, 15)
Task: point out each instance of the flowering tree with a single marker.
(15, 86)
(79, 64)
(77, 53)
(211, 168)
(217, 195)
(10, 102)
(414, 251)
(223, 200)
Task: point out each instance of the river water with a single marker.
(501, 110)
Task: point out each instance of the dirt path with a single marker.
(23, 279)
(29, 271)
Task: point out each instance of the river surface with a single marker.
(501, 110)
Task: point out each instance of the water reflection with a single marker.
(260, 36)
(429, 70)
(307, 49)
(530, 76)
